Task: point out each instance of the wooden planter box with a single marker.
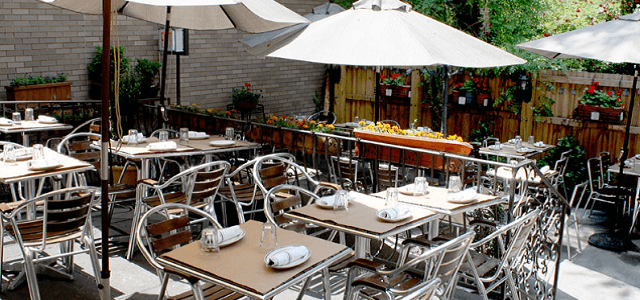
(483, 100)
(395, 91)
(610, 115)
(293, 140)
(423, 160)
(47, 91)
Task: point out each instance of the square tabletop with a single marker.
(360, 218)
(629, 169)
(509, 150)
(241, 266)
(190, 147)
(20, 171)
(29, 126)
(436, 200)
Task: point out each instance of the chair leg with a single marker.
(30, 271)
(94, 258)
(163, 286)
(512, 285)
(197, 291)
(633, 221)
(137, 212)
(568, 244)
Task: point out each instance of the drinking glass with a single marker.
(28, 114)
(341, 201)
(455, 185)
(420, 185)
(184, 134)
(210, 239)
(268, 238)
(17, 119)
(163, 135)
(9, 154)
(229, 133)
(531, 140)
(392, 197)
(38, 152)
(356, 120)
(133, 137)
(412, 126)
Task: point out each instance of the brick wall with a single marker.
(39, 39)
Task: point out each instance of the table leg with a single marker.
(361, 247)
(326, 284)
(25, 139)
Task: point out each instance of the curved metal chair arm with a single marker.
(272, 195)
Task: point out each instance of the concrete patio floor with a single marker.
(593, 274)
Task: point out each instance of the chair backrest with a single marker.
(517, 234)
(78, 145)
(208, 182)
(387, 176)
(276, 169)
(157, 238)
(346, 171)
(276, 206)
(172, 133)
(323, 116)
(578, 193)
(595, 176)
(61, 215)
(490, 141)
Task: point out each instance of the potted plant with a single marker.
(394, 86)
(467, 89)
(483, 93)
(147, 73)
(39, 88)
(244, 99)
(602, 106)
(455, 91)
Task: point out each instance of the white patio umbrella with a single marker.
(247, 15)
(389, 33)
(616, 41)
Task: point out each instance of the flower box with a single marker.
(396, 91)
(293, 140)
(611, 115)
(46, 91)
(424, 160)
(483, 100)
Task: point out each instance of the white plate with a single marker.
(49, 165)
(23, 154)
(140, 141)
(408, 191)
(463, 200)
(393, 220)
(525, 150)
(290, 264)
(233, 240)
(200, 137)
(47, 122)
(222, 143)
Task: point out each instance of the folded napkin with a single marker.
(127, 138)
(539, 144)
(326, 200)
(468, 194)
(495, 147)
(5, 121)
(287, 255)
(394, 212)
(545, 170)
(229, 233)
(44, 118)
(196, 134)
(43, 163)
(525, 150)
(162, 145)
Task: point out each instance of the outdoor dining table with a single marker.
(26, 127)
(629, 169)
(508, 150)
(241, 266)
(360, 219)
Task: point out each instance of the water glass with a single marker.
(184, 134)
(17, 118)
(133, 137)
(163, 135)
(392, 197)
(455, 185)
(420, 185)
(209, 239)
(531, 140)
(9, 154)
(38, 152)
(28, 114)
(341, 200)
(268, 238)
(412, 126)
(229, 133)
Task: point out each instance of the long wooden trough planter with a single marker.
(611, 115)
(423, 160)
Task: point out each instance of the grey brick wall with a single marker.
(39, 39)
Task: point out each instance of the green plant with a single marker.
(147, 72)
(245, 94)
(432, 90)
(576, 171)
(542, 105)
(394, 79)
(95, 66)
(319, 103)
(32, 80)
(483, 131)
(508, 97)
(468, 86)
(603, 99)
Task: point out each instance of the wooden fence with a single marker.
(355, 97)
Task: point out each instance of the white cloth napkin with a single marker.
(43, 163)
(127, 138)
(229, 233)
(286, 256)
(495, 147)
(196, 134)
(5, 121)
(525, 149)
(539, 144)
(394, 212)
(162, 145)
(468, 194)
(326, 200)
(44, 118)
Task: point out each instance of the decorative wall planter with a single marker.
(244, 106)
(424, 160)
(293, 140)
(483, 100)
(611, 115)
(47, 91)
(396, 91)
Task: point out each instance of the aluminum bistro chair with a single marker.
(241, 189)
(599, 191)
(63, 217)
(157, 238)
(323, 116)
(345, 173)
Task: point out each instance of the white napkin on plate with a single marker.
(5, 121)
(196, 134)
(539, 144)
(162, 145)
(286, 256)
(394, 212)
(229, 233)
(127, 138)
(43, 163)
(525, 149)
(326, 200)
(495, 147)
(468, 194)
(44, 118)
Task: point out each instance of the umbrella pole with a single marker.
(619, 240)
(164, 55)
(376, 94)
(105, 285)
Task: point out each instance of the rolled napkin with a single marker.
(127, 138)
(326, 200)
(287, 255)
(544, 170)
(468, 194)
(539, 144)
(525, 150)
(6, 122)
(43, 164)
(394, 212)
(495, 147)
(43, 118)
(229, 233)
(196, 134)
(162, 145)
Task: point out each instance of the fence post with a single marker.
(526, 112)
(415, 110)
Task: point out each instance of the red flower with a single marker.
(596, 83)
(382, 77)
(609, 93)
(395, 76)
(577, 10)
(592, 89)
(247, 84)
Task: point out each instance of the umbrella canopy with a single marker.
(615, 41)
(389, 33)
(246, 15)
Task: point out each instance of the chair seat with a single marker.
(483, 263)
(210, 291)
(400, 281)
